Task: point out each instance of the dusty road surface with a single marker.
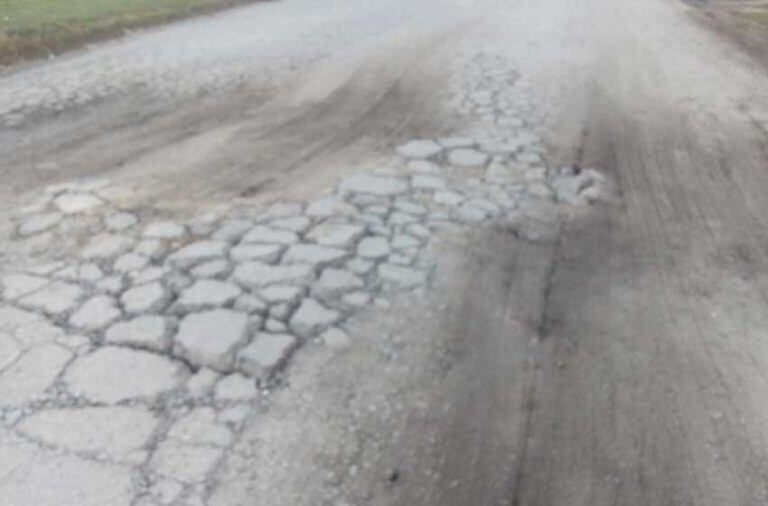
(388, 253)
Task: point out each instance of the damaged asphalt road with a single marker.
(507, 253)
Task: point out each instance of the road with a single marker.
(516, 347)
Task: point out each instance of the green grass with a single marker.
(32, 28)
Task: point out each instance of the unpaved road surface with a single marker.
(388, 253)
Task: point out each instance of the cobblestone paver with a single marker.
(145, 350)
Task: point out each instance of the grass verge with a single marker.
(35, 28)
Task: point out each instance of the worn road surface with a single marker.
(503, 331)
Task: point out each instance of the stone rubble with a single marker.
(154, 328)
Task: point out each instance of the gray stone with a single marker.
(120, 221)
(235, 387)
(403, 277)
(39, 223)
(403, 241)
(119, 433)
(250, 304)
(357, 299)
(277, 294)
(106, 246)
(18, 285)
(149, 298)
(456, 142)
(420, 148)
(211, 338)
(207, 294)
(470, 214)
(423, 166)
(88, 273)
(203, 382)
(568, 189)
(44, 478)
(468, 158)
(73, 203)
(398, 219)
(373, 248)
(375, 185)
(149, 274)
(112, 374)
(152, 332)
(298, 224)
(258, 275)
(199, 427)
(268, 235)
(164, 230)
(267, 253)
(281, 311)
(314, 255)
(55, 298)
(529, 157)
(197, 253)
(32, 373)
(130, 262)
(232, 230)
(329, 206)
(336, 234)
(152, 248)
(410, 207)
(188, 464)
(419, 230)
(312, 318)
(360, 266)
(336, 282)
(427, 182)
(112, 284)
(266, 354)
(97, 313)
(282, 210)
(212, 269)
(449, 198)
(275, 326)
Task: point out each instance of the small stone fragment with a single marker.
(106, 246)
(266, 354)
(420, 149)
(268, 235)
(198, 252)
(73, 203)
(96, 313)
(112, 374)
(404, 277)
(164, 230)
(467, 158)
(211, 338)
(39, 223)
(267, 253)
(314, 255)
(312, 318)
(373, 248)
(336, 234)
(149, 298)
(336, 282)
(207, 294)
(152, 332)
(257, 275)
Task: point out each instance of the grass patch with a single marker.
(33, 28)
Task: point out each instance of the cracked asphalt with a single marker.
(302, 253)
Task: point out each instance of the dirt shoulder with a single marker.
(743, 21)
(38, 28)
